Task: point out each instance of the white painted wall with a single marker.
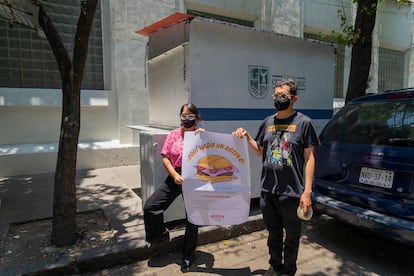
(30, 116)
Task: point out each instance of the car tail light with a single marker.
(401, 95)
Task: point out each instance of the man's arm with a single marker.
(241, 132)
(306, 198)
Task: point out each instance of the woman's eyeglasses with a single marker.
(188, 117)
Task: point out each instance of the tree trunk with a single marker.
(64, 201)
(361, 49)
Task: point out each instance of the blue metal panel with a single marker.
(254, 114)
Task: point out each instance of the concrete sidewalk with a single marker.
(27, 198)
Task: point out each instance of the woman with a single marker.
(167, 192)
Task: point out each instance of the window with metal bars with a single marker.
(390, 69)
(340, 64)
(27, 61)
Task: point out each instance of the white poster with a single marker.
(216, 174)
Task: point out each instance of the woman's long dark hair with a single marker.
(193, 108)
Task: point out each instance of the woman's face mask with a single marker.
(187, 123)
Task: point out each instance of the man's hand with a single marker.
(306, 201)
(240, 133)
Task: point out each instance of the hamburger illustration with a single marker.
(215, 168)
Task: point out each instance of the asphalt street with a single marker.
(328, 247)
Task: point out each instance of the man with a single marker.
(286, 141)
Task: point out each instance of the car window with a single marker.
(378, 123)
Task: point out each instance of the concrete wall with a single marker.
(30, 118)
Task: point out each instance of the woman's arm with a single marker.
(170, 169)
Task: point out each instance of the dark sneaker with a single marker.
(185, 265)
(159, 244)
(160, 239)
(272, 272)
(287, 273)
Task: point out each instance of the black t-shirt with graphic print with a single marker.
(283, 142)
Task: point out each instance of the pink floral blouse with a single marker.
(173, 147)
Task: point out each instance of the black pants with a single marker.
(154, 209)
(280, 213)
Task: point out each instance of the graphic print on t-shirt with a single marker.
(279, 152)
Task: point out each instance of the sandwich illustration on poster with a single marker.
(216, 172)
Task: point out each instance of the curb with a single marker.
(126, 252)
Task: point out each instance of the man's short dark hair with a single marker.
(289, 82)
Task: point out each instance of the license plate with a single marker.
(376, 177)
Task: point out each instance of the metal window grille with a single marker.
(390, 69)
(27, 61)
(339, 67)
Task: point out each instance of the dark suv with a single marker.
(365, 165)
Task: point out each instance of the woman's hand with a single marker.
(200, 130)
(178, 179)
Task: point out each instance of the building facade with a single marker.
(115, 89)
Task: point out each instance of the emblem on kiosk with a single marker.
(258, 81)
